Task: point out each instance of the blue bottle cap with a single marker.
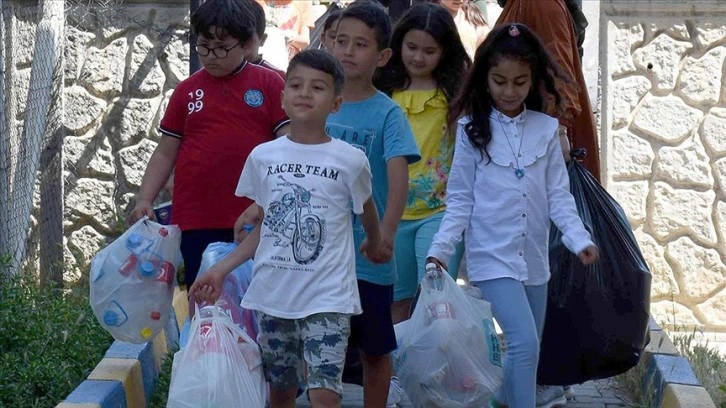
(146, 268)
(110, 318)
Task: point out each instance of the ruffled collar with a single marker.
(534, 134)
(497, 115)
(416, 101)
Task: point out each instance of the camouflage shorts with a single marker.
(317, 342)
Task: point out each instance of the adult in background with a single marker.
(470, 21)
(288, 29)
(552, 21)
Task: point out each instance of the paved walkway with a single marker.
(592, 394)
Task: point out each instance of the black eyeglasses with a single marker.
(219, 52)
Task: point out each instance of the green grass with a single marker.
(49, 342)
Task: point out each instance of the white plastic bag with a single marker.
(133, 279)
(220, 366)
(449, 355)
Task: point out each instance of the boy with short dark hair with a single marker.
(371, 121)
(212, 122)
(304, 283)
(258, 40)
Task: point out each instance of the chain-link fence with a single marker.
(31, 135)
(39, 111)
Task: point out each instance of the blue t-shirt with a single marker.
(379, 127)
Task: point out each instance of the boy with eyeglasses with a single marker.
(212, 122)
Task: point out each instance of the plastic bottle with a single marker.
(129, 266)
(149, 265)
(208, 340)
(114, 315)
(433, 276)
(167, 272)
(137, 244)
(440, 310)
(147, 269)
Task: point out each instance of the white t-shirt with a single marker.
(305, 262)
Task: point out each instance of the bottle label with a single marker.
(440, 310)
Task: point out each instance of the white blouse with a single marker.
(506, 219)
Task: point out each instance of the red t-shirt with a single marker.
(219, 122)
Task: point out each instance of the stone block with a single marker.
(663, 370)
(144, 353)
(122, 349)
(160, 348)
(172, 332)
(180, 302)
(128, 372)
(686, 396)
(660, 343)
(105, 394)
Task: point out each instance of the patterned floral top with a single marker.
(426, 111)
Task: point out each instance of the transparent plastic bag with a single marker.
(220, 366)
(133, 279)
(235, 286)
(449, 354)
(597, 315)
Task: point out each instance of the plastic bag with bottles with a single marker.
(133, 279)
(220, 366)
(448, 351)
(234, 288)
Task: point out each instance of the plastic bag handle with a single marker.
(219, 317)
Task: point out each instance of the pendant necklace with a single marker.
(518, 171)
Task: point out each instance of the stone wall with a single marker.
(122, 62)
(663, 133)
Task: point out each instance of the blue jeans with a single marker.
(520, 312)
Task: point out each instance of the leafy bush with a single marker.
(49, 342)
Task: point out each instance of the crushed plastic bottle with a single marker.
(138, 244)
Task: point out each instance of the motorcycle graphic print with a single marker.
(293, 222)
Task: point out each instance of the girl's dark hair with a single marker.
(231, 18)
(454, 63)
(474, 99)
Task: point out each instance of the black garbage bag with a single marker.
(598, 315)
